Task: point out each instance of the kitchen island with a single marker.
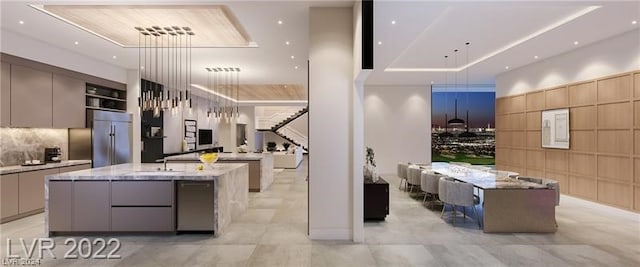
(260, 166)
(141, 198)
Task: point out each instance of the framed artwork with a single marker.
(555, 128)
(190, 133)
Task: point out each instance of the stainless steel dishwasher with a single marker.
(195, 206)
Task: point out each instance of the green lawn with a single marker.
(463, 158)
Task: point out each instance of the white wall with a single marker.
(173, 123)
(397, 125)
(23, 46)
(301, 124)
(247, 116)
(614, 55)
(331, 85)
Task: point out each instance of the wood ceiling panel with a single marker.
(213, 25)
(269, 92)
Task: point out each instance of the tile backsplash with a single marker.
(20, 144)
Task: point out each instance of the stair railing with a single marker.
(294, 135)
(266, 122)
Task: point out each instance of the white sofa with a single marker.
(290, 160)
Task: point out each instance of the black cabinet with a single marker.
(376, 199)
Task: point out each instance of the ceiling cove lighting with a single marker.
(504, 48)
(245, 102)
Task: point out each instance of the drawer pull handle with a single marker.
(205, 185)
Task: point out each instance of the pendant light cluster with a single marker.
(224, 82)
(457, 121)
(164, 62)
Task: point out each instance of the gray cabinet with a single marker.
(91, 206)
(31, 190)
(60, 205)
(31, 97)
(68, 102)
(5, 96)
(142, 206)
(8, 195)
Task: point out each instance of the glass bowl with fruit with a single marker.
(208, 159)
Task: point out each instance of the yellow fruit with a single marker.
(200, 167)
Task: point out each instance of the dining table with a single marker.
(509, 205)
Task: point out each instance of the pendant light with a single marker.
(226, 86)
(456, 121)
(164, 84)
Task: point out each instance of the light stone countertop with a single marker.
(64, 163)
(149, 171)
(221, 156)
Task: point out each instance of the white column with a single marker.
(133, 90)
(330, 108)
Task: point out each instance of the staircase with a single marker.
(279, 126)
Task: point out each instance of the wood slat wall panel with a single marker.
(582, 94)
(636, 85)
(636, 204)
(636, 111)
(518, 139)
(501, 122)
(616, 194)
(582, 118)
(535, 101)
(535, 160)
(518, 103)
(583, 141)
(534, 139)
(534, 120)
(582, 164)
(556, 160)
(603, 162)
(636, 176)
(556, 98)
(614, 89)
(582, 186)
(501, 107)
(637, 142)
(615, 168)
(516, 121)
(615, 142)
(517, 158)
(615, 116)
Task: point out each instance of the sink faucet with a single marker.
(164, 166)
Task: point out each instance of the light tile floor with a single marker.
(273, 232)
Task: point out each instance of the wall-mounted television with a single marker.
(205, 136)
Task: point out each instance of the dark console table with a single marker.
(376, 199)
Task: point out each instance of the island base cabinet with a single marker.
(31, 190)
(141, 219)
(8, 195)
(60, 205)
(91, 206)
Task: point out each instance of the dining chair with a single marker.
(458, 194)
(402, 173)
(429, 184)
(413, 177)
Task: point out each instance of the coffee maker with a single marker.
(52, 154)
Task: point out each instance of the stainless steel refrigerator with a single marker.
(108, 141)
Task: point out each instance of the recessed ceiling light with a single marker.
(431, 82)
(575, 42)
(21, 22)
(634, 22)
(76, 43)
(285, 86)
(293, 57)
(393, 22)
(114, 57)
(506, 67)
(379, 42)
(280, 22)
(536, 57)
(296, 67)
(141, 67)
(287, 43)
